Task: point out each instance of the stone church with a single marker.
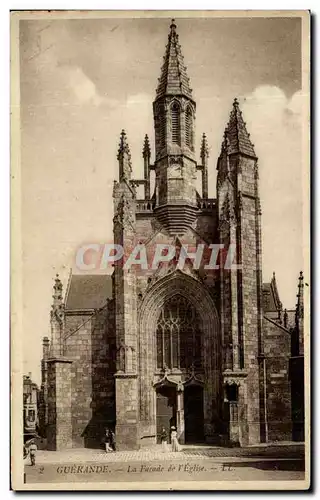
(212, 353)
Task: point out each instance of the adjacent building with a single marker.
(30, 406)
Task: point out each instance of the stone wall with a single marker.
(278, 394)
(92, 349)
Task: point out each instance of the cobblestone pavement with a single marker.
(194, 453)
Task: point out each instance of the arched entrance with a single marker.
(179, 341)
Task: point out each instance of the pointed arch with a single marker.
(163, 291)
(175, 122)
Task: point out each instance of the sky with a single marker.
(83, 81)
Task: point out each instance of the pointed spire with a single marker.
(173, 78)
(146, 152)
(275, 293)
(300, 301)
(57, 292)
(285, 319)
(57, 309)
(123, 145)
(299, 322)
(124, 157)
(204, 151)
(204, 154)
(236, 136)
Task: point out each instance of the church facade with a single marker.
(208, 351)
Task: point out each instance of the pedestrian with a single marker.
(112, 440)
(107, 441)
(33, 451)
(175, 446)
(164, 440)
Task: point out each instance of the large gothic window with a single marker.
(175, 123)
(189, 129)
(179, 340)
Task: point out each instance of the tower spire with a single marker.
(173, 79)
(175, 195)
(236, 136)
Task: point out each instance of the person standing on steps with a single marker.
(164, 440)
(107, 441)
(33, 451)
(175, 446)
(112, 440)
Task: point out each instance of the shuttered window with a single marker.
(189, 129)
(175, 123)
(162, 127)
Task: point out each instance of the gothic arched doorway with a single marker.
(179, 342)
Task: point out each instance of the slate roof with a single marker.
(236, 137)
(271, 300)
(173, 79)
(88, 291)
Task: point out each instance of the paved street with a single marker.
(191, 464)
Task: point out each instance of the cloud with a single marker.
(275, 123)
(84, 89)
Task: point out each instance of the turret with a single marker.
(124, 158)
(146, 154)
(204, 155)
(299, 315)
(57, 320)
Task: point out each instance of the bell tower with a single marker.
(174, 122)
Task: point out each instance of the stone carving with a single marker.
(175, 160)
(124, 215)
(227, 216)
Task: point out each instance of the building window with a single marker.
(175, 123)
(189, 129)
(179, 340)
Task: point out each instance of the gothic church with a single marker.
(208, 352)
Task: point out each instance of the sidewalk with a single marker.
(264, 452)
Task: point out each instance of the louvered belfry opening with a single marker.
(175, 123)
(189, 129)
(162, 126)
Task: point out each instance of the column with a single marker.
(180, 415)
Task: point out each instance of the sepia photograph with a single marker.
(160, 253)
